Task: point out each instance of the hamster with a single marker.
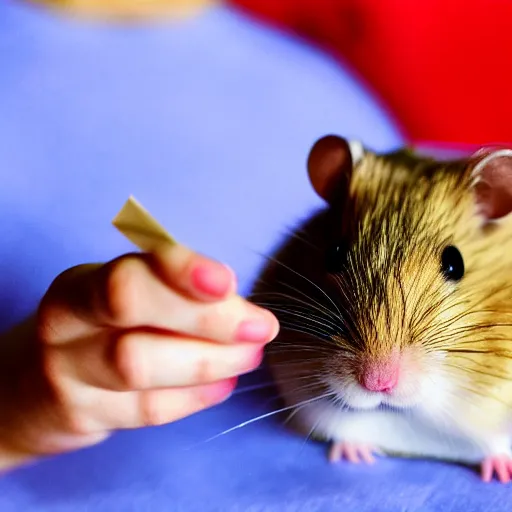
(395, 306)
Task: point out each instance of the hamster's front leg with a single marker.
(353, 452)
(495, 444)
(500, 464)
(497, 458)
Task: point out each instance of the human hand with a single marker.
(145, 339)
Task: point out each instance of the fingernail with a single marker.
(211, 278)
(219, 391)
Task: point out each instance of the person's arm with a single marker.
(15, 357)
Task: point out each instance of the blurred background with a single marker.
(205, 111)
(442, 69)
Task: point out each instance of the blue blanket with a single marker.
(207, 122)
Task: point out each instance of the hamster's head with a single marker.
(390, 294)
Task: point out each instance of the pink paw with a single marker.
(501, 464)
(353, 452)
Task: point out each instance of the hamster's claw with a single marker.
(501, 464)
(353, 452)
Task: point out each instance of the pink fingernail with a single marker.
(212, 278)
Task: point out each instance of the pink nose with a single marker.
(380, 376)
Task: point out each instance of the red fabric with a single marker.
(443, 67)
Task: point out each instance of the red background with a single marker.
(442, 67)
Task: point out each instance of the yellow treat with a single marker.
(140, 227)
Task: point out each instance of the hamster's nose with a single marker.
(380, 376)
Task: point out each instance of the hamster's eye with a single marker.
(452, 264)
(335, 257)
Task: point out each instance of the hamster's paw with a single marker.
(499, 464)
(353, 452)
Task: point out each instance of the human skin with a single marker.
(143, 340)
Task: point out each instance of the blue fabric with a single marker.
(208, 123)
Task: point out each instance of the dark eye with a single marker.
(335, 257)
(452, 264)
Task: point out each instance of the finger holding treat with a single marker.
(145, 339)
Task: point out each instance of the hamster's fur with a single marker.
(395, 306)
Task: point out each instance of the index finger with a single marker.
(87, 298)
(199, 277)
(193, 274)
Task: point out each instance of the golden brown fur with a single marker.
(403, 210)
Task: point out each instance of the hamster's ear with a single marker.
(330, 164)
(493, 183)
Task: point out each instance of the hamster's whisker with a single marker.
(310, 303)
(311, 326)
(459, 337)
(295, 233)
(421, 319)
(483, 373)
(312, 390)
(307, 280)
(303, 313)
(471, 311)
(302, 350)
(297, 322)
(309, 300)
(313, 387)
(404, 301)
(465, 340)
(339, 402)
(292, 414)
(287, 326)
(310, 434)
(264, 385)
(480, 345)
(298, 313)
(430, 331)
(476, 343)
(289, 329)
(491, 351)
(350, 321)
(255, 387)
(497, 288)
(296, 362)
(428, 293)
(458, 334)
(264, 416)
(287, 337)
(468, 312)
